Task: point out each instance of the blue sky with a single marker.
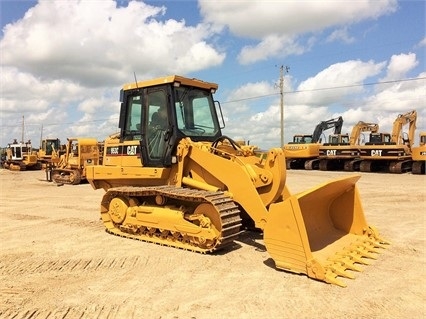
(64, 62)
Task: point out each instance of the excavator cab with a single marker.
(338, 139)
(379, 138)
(301, 139)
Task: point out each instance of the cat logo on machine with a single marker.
(331, 152)
(376, 152)
(132, 149)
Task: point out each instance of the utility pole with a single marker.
(23, 128)
(282, 100)
(41, 135)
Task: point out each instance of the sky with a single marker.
(63, 63)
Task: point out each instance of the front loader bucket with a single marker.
(322, 232)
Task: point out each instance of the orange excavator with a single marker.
(342, 152)
(303, 151)
(390, 152)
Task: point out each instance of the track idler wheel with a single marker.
(118, 209)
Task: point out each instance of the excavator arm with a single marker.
(362, 127)
(337, 123)
(402, 120)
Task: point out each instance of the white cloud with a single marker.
(26, 92)
(95, 43)
(422, 43)
(336, 82)
(258, 19)
(278, 24)
(271, 45)
(251, 89)
(399, 65)
(340, 35)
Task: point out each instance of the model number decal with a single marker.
(129, 150)
(113, 150)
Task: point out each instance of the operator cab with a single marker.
(301, 139)
(161, 112)
(379, 138)
(19, 150)
(338, 139)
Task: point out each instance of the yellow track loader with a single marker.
(173, 179)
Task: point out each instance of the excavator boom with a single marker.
(336, 123)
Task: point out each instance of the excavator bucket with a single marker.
(322, 232)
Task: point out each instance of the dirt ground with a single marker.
(56, 261)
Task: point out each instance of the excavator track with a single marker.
(195, 220)
(352, 165)
(418, 167)
(312, 164)
(399, 167)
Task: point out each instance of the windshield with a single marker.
(195, 112)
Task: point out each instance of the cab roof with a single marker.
(179, 80)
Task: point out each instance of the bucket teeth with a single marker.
(366, 249)
(356, 257)
(383, 242)
(349, 264)
(331, 278)
(357, 253)
(379, 243)
(370, 246)
(341, 271)
(364, 253)
(351, 257)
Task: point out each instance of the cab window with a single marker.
(134, 118)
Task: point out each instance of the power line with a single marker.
(356, 85)
(326, 88)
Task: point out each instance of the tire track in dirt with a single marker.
(25, 217)
(80, 312)
(81, 223)
(13, 267)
